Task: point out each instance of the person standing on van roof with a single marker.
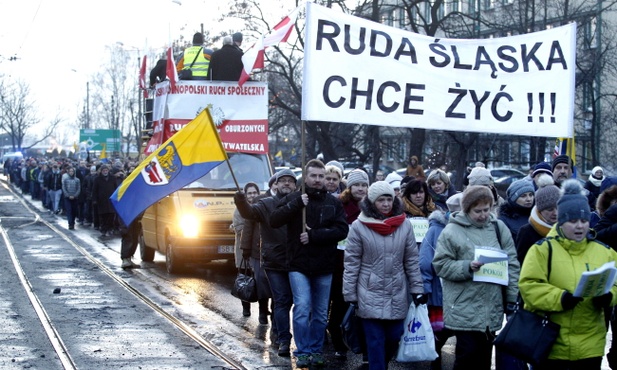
(196, 58)
(274, 252)
(226, 63)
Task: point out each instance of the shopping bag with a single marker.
(418, 340)
(245, 286)
(352, 330)
(527, 336)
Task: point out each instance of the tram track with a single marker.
(52, 334)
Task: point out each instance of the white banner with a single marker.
(359, 71)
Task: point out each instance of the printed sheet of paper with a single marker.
(597, 282)
(420, 227)
(495, 270)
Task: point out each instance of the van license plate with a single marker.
(226, 249)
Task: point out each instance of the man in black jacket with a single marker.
(312, 247)
(226, 63)
(274, 252)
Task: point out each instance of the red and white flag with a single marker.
(171, 71)
(142, 77)
(253, 58)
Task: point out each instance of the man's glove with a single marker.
(568, 301)
(246, 254)
(603, 301)
(419, 299)
(239, 196)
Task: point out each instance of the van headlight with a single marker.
(189, 226)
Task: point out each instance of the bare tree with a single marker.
(114, 94)
(20, 117)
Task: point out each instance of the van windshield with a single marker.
(246, 168)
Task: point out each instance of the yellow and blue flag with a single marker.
(188, 155)
(103, 156)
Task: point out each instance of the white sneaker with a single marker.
(128, 264)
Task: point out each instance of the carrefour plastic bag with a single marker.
(418, 341)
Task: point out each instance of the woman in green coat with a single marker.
(582, 336)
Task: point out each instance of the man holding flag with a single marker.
(178, 163)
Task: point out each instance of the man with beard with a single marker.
(274, 255)
(312, 243)
(562, 170)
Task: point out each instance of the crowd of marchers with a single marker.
(384, 244)
(77, 190)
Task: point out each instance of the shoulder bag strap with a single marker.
(196, 55)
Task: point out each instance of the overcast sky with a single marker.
(60, 43)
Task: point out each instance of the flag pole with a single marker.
(303, 173)
(216, 131)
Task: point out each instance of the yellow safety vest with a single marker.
(200, 67)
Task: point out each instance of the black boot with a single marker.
(263, 311)
(246, 308)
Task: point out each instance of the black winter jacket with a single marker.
(274, 251)
(326, 225)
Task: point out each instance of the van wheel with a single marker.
(146, 253)
(172, 261)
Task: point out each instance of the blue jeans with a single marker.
(283, 300)
(70, 206)
(311, 295)
(55, 199)
(382, 338)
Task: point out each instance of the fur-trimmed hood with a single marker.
(605, 199)
(369, 210)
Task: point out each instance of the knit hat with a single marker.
(338, 165)
(475, 193)
(272, 180)
(608, 182)
(596, 169)
(394, 179)
(573, 204)
(518, 188)
(547, 194)
(480, 176)
(454, 202)
(542, 167)
(378, 189)
(237, 37)
(561, 159)
(356, 177)
(285, 172)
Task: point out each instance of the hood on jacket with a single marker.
(461, 218)
(438, 216)
(605, 199)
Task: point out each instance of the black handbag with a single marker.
(245, 286)
(526, 335)
(352, 330)
(187, 74)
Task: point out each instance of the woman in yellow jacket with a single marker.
(582, 337)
